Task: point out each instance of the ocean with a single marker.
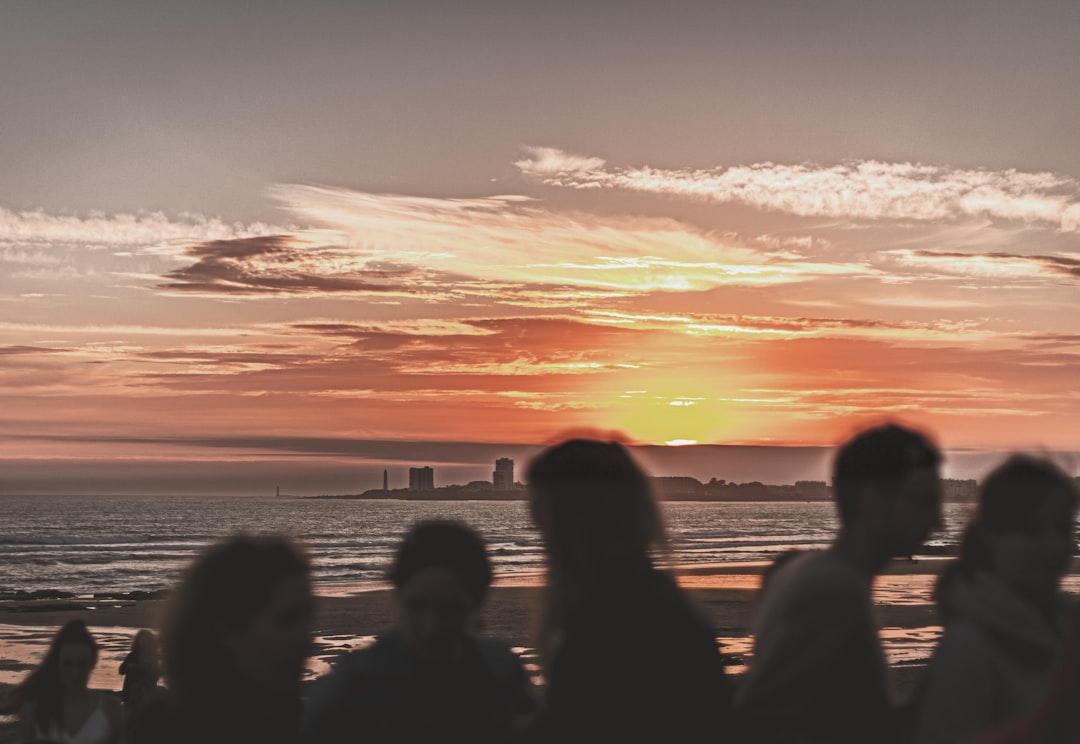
(120, 546)
(116, 545)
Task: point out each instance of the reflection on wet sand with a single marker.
(907, 646)
(23, 646)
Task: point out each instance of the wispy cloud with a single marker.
(704, 324)
(21, 256)
(550, 161)
(416, 327)
(858, 190)
(98, 329)
(280, 264)
(16, 350)
(149, 230)
(1001, 265)
(75, 253)
(504, 249)
(915, 301)
(512, 240)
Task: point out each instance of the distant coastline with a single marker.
(667, 488)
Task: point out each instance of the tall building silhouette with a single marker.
(503, 477)
(421, 479)
(385, 481)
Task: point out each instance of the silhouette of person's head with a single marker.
(240, 618)
(593, 505)
(886, 484)
(66, 668)
(145, 644)
(441, 574)
(1022, 530)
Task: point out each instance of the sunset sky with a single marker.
(294, 239)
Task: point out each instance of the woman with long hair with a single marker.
(58, 705)
(1004, 616)
(625, 654)
(235, 642)
(141, 669)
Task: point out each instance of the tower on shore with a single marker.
(421, 479)
(503, 477)
(385, 481)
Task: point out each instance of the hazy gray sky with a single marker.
(125, 106)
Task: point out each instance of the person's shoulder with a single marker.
(156, 721)
(110, 701)
(815, 579)
(496, 647)
(27, 710)
(354, 678)
(650, 602)
(114, 711)
(499, 656)
(383, 656)
(656, 588)
(966, 639)
(816, 570)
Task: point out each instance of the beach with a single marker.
(349, 616)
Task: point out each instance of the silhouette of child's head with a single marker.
(145, 643)
(441, 574)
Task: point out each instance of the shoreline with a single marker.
(348, 611)
(351, 614)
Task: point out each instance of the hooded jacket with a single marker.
(993, 663)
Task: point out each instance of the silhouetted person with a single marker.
(141, 669)
(235, 642)
(58, 705)
(818, 672)
(1003, 614)
(430, 678)
(626, 655)
(1057, 719)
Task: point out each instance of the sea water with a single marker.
(116, 545)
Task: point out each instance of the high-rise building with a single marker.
(421, 479)
(503, 477)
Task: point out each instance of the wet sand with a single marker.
(349, 617)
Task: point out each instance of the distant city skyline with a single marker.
(455, 462)
(240, 245)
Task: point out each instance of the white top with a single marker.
(95, 729)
